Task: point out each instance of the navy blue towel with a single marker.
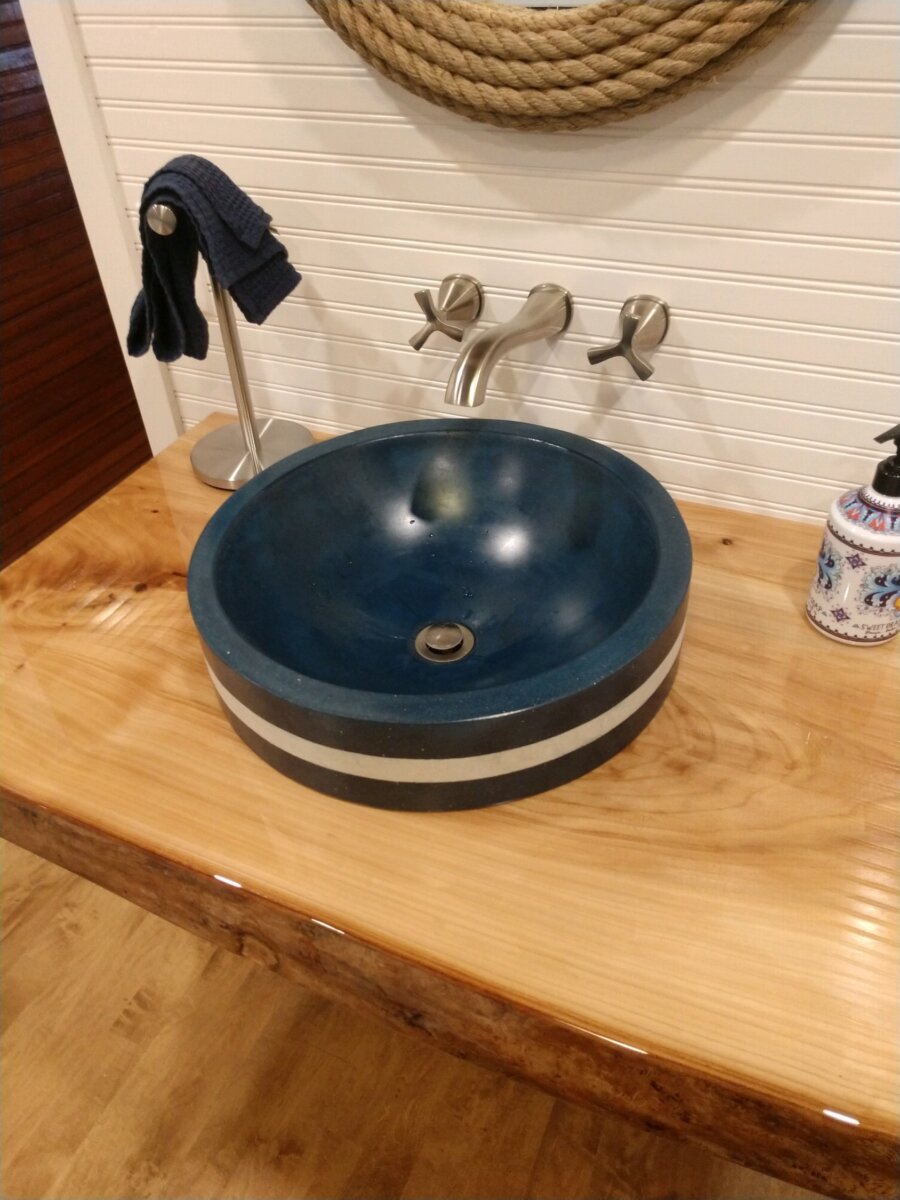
(220, 221)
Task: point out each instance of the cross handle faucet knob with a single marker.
(459, 302)
(645, 321)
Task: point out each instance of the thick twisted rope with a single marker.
(558, 69)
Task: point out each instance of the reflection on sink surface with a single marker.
(443, 614)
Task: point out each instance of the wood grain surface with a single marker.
(312, 1100)
(701, 934)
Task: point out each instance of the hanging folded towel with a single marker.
(232, 233)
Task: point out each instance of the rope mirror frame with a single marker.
(555, 69)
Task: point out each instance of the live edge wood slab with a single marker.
(701, 935)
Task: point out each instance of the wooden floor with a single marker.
(140, 1062)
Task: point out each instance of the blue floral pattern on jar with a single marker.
(855, 595)
(829, 565)
(882, 591)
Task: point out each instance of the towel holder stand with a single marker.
(229, 456)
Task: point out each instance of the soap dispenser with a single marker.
(855, 596)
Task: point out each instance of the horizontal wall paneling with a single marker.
(764, 210)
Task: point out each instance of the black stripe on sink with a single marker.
(426, 795)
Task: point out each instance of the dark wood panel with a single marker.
(20, 263)
(16, 58)
(50, 411)
(12, 31)
(53, 408)
(25, 78)
(70, 349)
(53, 188)
(78, 305)
(27, 125)
(68, 268)
(35, 201)
(69, 424)
(31, 124)
(21, 100)
(61, 438)
(44, 401)
(31, 142)
(55, 231)
(12, 173)
(74, 490)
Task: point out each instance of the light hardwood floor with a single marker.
(139, 1061)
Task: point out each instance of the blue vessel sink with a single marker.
(443, 614)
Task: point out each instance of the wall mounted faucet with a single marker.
(547, 311)
(645, 321)
(459, 302)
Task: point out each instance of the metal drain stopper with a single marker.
(445, 641)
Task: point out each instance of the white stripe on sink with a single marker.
(450, 770)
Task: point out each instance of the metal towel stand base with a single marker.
(228, 457)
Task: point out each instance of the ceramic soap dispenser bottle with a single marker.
(855, 596)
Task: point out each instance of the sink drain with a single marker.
(445, 641)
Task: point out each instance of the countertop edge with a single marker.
(765, 1133)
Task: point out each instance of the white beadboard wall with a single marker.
(764, 210)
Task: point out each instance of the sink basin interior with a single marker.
(540, 551)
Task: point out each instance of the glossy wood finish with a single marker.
(69, 424)
(701, 934)
(312, 1099)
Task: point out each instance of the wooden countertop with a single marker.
(701, 934)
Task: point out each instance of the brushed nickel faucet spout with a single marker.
(547, 311)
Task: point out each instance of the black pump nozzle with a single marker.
(887, 476)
